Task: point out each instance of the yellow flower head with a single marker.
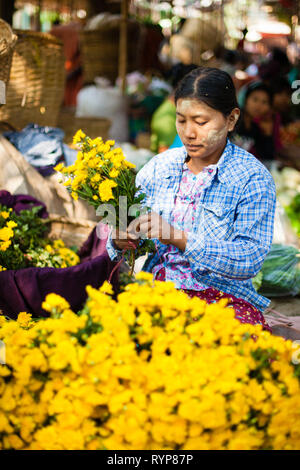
(106, 288)
(144, 276)
(58, 244)
(5, 245)
(96, 178)
(11, 224)
(55, 302)
(24, 318)
(6, 234)
(114, 173)
(78, 137)
(129, 164)
(105, 190)
(59, 167)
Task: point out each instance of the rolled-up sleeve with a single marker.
(113, 253)
(242, 256)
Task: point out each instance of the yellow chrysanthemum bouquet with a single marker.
(100, 173)
(153, 369)
(103, 177)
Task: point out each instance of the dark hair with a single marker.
(279, 55)
(210, 85)
(230, 56)
(279, 85)
(277, 65)
(179, 71)
(258, 86)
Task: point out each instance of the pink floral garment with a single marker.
(177, 267)
(244, 312)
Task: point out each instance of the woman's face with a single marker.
(258, 104)
(202, 129)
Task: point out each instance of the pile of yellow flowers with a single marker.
(24, 242)
(153, 369)
(67, 255)
(54, 255)
(6, 234)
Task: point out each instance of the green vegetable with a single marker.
(280, 272)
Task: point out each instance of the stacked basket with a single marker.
(100, 50)
(37, 77)
(92, 126)
(7, 43)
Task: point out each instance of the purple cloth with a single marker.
(25, 289)
(22, 202)
(95, 245)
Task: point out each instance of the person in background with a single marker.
(230, 58)
(163, 123)
(259, 126)
(277, 65)
(69, 35)
(282, 103)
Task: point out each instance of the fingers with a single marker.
(117, 234)
(125, 244)
(145, 225)
(136, 228)
(149, 225)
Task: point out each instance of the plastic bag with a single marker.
(280, 272)
(105, 101)
(284, 233)
(138, 156)
(41, 146)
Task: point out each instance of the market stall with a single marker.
(94, 354)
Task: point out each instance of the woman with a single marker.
(212, 203)
(258, 129)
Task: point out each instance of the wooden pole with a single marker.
(123, 52)
(38, 16)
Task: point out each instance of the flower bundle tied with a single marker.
(103, 178)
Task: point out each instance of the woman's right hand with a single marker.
(124, 240)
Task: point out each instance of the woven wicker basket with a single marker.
(100, 51)
(72, 232)
(7, 44)
(91, 126)
(37, 77)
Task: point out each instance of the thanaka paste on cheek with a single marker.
(214, 136)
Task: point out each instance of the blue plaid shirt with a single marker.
(233, 227)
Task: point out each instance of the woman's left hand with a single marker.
(154, 226)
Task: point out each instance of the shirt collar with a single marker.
(225, 163)
(223, 166)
